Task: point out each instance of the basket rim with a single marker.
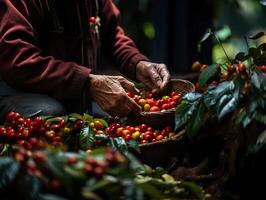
(178, 136)
(172, 110)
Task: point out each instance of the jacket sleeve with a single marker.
(122, 48)
(22, 64)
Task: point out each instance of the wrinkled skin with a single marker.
(109, 92)
(154, 76)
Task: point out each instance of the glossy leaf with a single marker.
(206, 35)
(228, 107)
(182, 115)
(196, 121)
(119, 143)
(191, 97)
(194, 189)
(30, 187)
(260, 117)
(214, 94)
(134, 145)
(86, 138)
(8, 171)
(254, 52)
(207, 73)
(262, 138)
(87, 117)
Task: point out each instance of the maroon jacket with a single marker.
(50, 48)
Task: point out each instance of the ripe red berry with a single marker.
(231, 69)
(72, 160)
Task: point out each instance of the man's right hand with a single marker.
(109, 92)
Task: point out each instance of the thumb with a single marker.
(128, 86)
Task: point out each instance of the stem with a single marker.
(222, 47)
(249, 59)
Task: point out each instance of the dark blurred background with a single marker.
(168, 31)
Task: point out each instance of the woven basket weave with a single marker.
(162, 152)
(164, 118)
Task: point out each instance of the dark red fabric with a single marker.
(35, 59)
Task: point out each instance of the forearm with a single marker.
(23, 65)
(122, 48)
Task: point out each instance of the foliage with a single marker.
(57, 158)
(238, 88)
(95, 175)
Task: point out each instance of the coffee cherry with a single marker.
(55, 184)
(78, 124)
(154, 109)
(72, 160)
(40, 156)
(147, 107)
(98, 125)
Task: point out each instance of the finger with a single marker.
(155, 76)
(134, 107)
(164, 73)
(148, 83)
(128, 86)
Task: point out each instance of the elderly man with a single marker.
(48, 58)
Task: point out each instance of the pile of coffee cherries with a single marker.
(34, 133)
(151, 104)
(143, 134)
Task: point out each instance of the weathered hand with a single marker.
(109, 92)
(153, 75)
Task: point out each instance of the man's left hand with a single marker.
(153, 75)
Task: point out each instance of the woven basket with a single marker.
(161, 153)
(164, 118)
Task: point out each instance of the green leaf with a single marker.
(206, 35)
(262, 138)
(260, 117)
(75, 116)
(86, 117)
(134, 145)
(149, 189)
(134, 163)
(254, 52)
(182, 115)
(86, 138)
(191, 97)
(214, 94)
(8, 171)
(49, 197)
(194, 189)
(259, 61)
(74, 172)
(119, 144)
(88, 194)
(207, 73)
(186, 108)
(31, 187)
(196, 121)
(256, 36)
(228, 107)
(102, 137)
(239, 85)
(256, 80)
